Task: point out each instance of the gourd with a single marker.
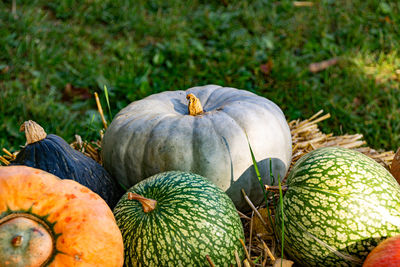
(209, 136)
(178, 219)
(52, 154)
(46, 221)
(395, 167)
(339, 205)
(386, 254)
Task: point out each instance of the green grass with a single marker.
(137, 48)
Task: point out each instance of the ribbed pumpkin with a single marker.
(339, 205)
(178, 219)
(52, 154)
(46, 221)
(201, 130)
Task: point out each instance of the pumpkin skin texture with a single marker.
(54, 155)
(192, 218)
(46, 221)
(339, 205)
(386, 254)
(157, 134)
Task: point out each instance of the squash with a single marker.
(178, 219)
(210, 137)
(386, 254)
(46, 221)
(395, 167)
(338, 206)
(52, 154)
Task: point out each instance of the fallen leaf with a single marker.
(282, 262)
(356, 102)
(72, 93)
(303, 3)
(258, 226)
(319, 66)
(5, 69)
(266, 68)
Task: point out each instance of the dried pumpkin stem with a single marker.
(147, 203)
(17, 241)
(275, 187)
(194, 105)
(33, 132)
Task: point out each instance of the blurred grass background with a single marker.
(55, 54)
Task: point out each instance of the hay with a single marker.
(260, 244)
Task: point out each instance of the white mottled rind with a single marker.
(156, 134)
(193, 218)
(340, 204)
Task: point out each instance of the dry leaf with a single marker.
(318, 66)
(5, 69)
(303, 3)
(284, 262)
(258, 227)
(70, 93)
(266, 68)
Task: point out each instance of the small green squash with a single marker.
(339, 205)
(178, 219)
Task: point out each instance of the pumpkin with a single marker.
(46, 221)
(178, 219)
(52, 154)
(210, 137)
(395, 167)
(338, 206)
(386, 254)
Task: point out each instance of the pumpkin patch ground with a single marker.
(261, 246)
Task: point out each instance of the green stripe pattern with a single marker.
(193, 218)
(339, 205)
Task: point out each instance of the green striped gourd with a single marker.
(339, 205)
(191, 219)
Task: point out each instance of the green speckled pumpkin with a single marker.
(192, 218)
(339, 205)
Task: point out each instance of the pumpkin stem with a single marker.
(147, 203)
(275, 187)
(17, 241)
(194, 106)
(33, 132)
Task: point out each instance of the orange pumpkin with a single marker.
(48, 221)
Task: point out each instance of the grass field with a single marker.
(53, 57)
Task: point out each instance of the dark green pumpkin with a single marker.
(52, 154)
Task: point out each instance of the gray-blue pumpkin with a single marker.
(158, 134)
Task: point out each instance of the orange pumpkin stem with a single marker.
(33, 132)
(395, 168)
(194, 106)
(147, 203)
